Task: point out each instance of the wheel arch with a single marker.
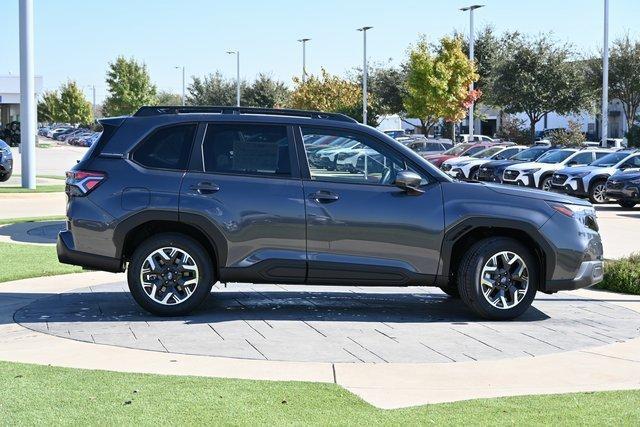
(464, 234)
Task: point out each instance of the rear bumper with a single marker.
(589, 273)
(68, 255)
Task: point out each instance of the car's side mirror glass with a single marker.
(409, 182)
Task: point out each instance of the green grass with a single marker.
(39, 189)
(622, 275)
(21, 261)
(44, 395)
(32, 219)
(62, 177)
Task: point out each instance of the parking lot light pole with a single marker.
(237, 54)
(364, 73)
(183, 83)
(27, 96)
(304, 58)
(471, 57)
(604, 119)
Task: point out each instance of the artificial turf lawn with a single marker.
(31, 395)
(21, 261)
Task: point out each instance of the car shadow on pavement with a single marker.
(32, 232)
(228, 306)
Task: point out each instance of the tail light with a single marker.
(81, 183)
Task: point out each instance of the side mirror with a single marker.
(409, 182)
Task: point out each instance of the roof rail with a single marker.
(147, 111)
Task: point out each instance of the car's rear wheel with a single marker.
(627, 204)
(5, 177)
(170, 274)
(452, 291)
(498, 278)
(597, 192)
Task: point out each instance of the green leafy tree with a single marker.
(74, 107)
(438, 82)
(129, 87)
(387, 85)
(570, 137)
(332, 94)
(168, 98)
(513, 129)
(49, 107)
(537, 76)
(266, 92)
(213, 89)
(624, 76)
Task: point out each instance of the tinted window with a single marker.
(247, 149)
(507, 153)
(166, 148)
(582, 158)
(633, 162)
(474, 150)
(609, 159)
(529, 154)
(556, 156)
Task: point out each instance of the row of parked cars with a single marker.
(79, 136)
(599, 174)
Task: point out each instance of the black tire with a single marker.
(627, 204)
(470, 269)
(452, 291)
(5, 177)
(473, 174)
(545, 184)
(594, 192)
(194, 250)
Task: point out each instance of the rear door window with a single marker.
(167, 148)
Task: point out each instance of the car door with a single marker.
(243, 188)
(363, 229)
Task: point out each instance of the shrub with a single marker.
(633, 136)
(514, 129)
(622, 275)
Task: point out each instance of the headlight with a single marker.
(580, 175)
(531, 170)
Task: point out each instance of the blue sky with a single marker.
(75, 39)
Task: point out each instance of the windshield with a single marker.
(609, 160)
(530, 154)
(556, 156)
(487, 152)
(457, 150)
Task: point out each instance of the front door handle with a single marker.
(324, 196)
(205, 187)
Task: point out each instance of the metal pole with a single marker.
(364, 78)
(93, 89)
(27, 96)
(183, 86)
(304, 58)
(605, 78)
(238, 78)
(471, 57)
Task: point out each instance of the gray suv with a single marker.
(183, 197)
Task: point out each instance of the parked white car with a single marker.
(539, 174)
(590, 181)
(465, 137)
(467, 167)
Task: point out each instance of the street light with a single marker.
(237, 54)
(605, 78)
(304, 58)
(471, 57)
(183, 84)
(364, 73)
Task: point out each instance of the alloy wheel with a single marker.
(169, 276)
(504, 280)
(599, 193)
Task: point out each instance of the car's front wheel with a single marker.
(170, 274)
(597, 193)
(498, 278)
(545, 185)
(5, 177)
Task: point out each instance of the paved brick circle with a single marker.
(332, 324)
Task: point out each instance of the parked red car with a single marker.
(466, 149)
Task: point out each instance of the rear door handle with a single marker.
(205, 188)
(324, 196)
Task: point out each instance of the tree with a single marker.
(266, 92)
(571, 137)
(387, 85)
(438, 83)
(513, 129)
(74, 107)
(129, 87)
(213, 89)
(332, 94)
(168, 98)
(537, 76)
(49, 107)
(624, 76)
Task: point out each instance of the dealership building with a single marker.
(10, 97)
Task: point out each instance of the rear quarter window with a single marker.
(166, 148)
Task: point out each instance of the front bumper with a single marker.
(625, 193)
(68, 255)
(589, 273)
(572, 187)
